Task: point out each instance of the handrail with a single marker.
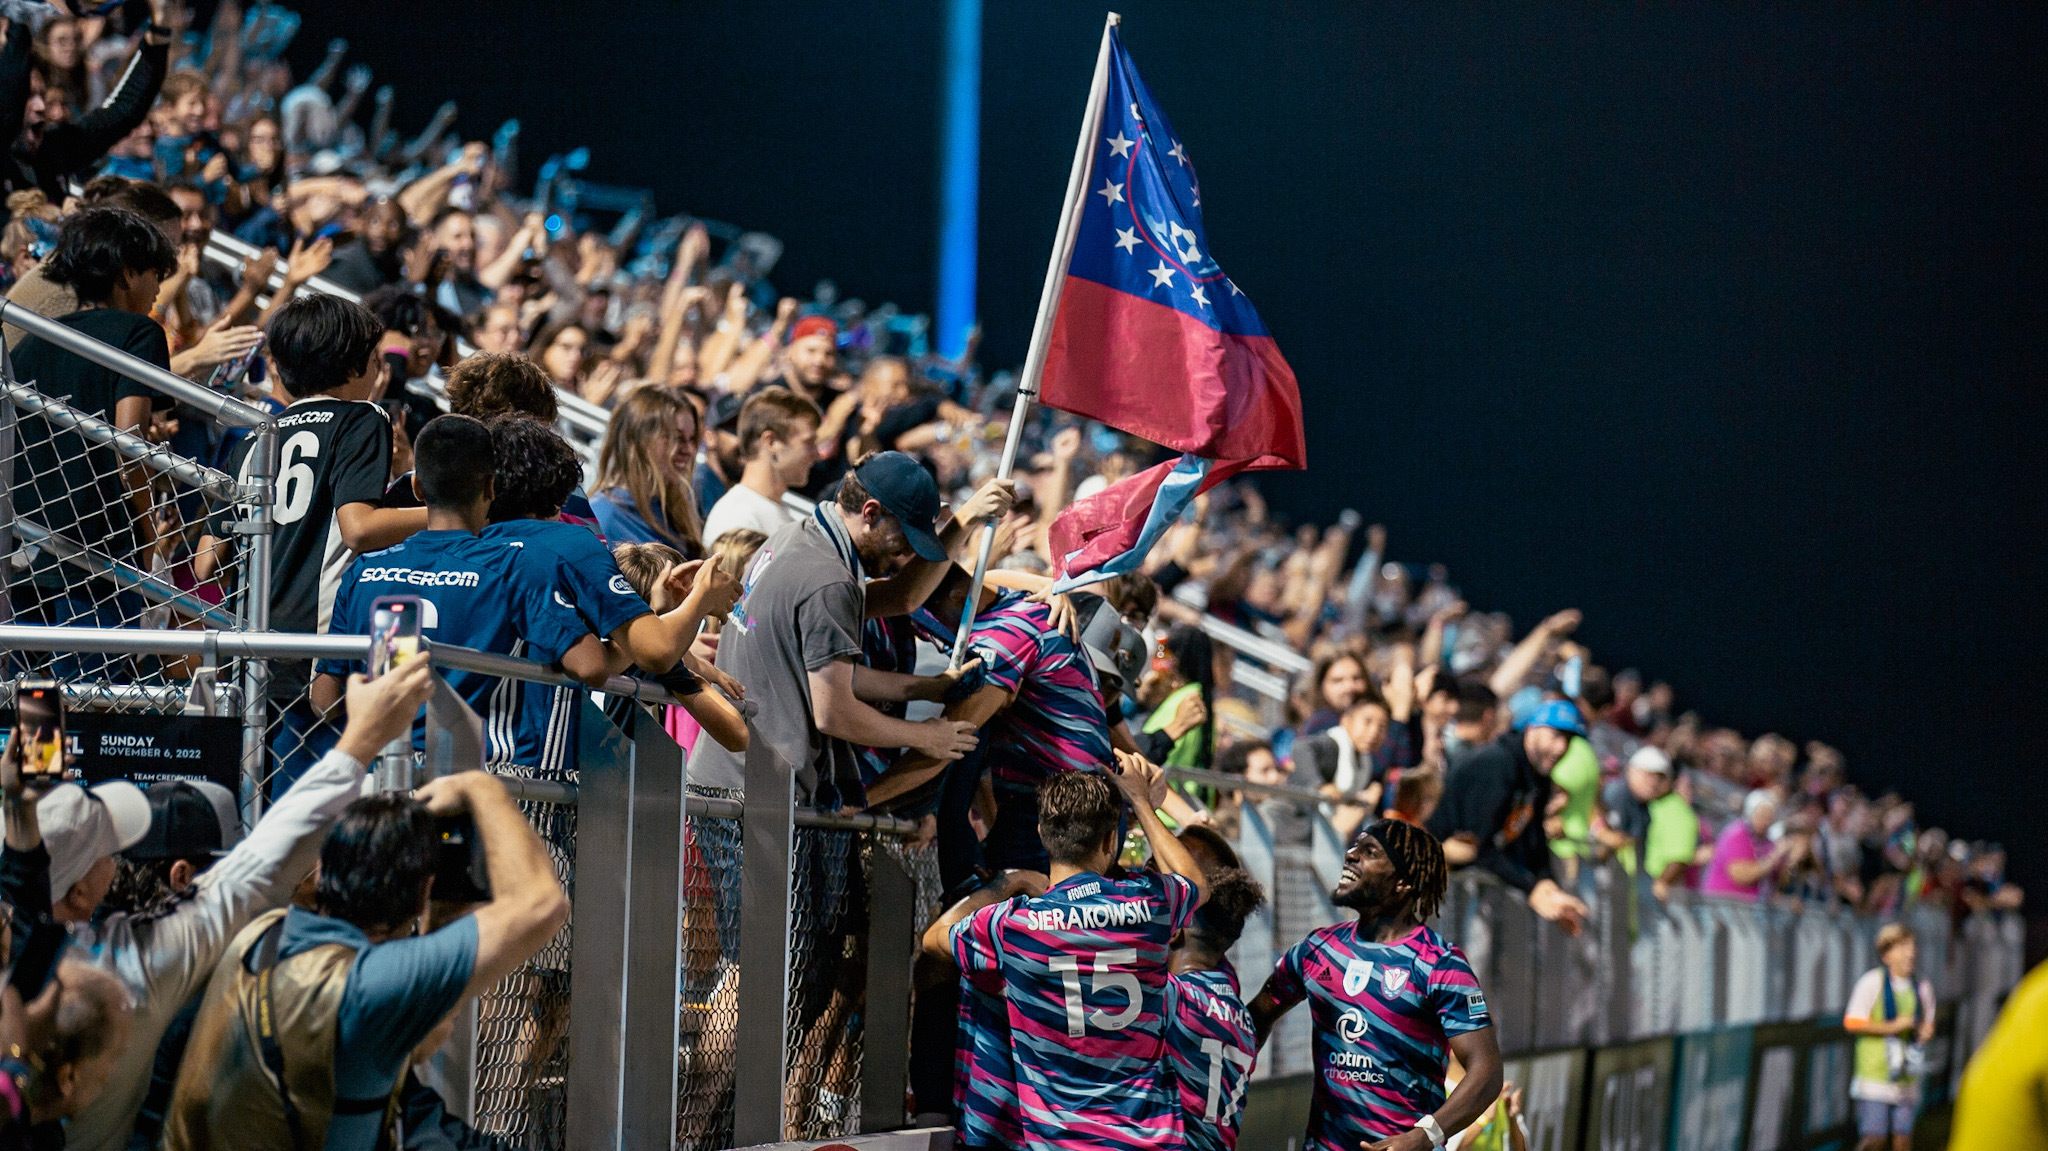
(1258, 647)
(150, 587)
(293, 645)
(156, 457)
(1224, 782)
(233, 250)
(225, 409)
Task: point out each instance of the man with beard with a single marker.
(1493, 806)
(794, 637)
(1392, 1001)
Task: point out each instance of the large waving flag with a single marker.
(1149, 336)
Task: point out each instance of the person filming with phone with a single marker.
(160, 911)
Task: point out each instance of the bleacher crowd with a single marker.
(781, 513)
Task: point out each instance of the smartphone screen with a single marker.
(39, 707)
(394, 632)
(1568, 678)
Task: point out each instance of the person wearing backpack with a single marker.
(1891, 1014)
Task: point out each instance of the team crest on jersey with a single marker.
(1392, 980)
(1357, 974)
(1351, 1027)
(619, 585)
(564, 601)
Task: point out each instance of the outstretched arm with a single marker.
(938, 938)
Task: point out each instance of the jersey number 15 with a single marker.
(1105, 979)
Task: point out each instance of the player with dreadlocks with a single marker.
(1392, 1000)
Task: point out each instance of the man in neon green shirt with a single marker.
(1578, 776)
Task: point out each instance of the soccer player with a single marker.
(1210, 1042)
(984, 1075)
(1392, 999)
(1083, 968)
(333, 460)
(479, 594)
(1039, 711)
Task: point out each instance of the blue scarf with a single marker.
(835, 531)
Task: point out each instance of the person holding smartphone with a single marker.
(334, 458)
(186, 887)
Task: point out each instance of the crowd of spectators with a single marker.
(777, 515)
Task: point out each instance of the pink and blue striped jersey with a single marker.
(1212, 1048)
(1056, 722)
(1384, 1015)
(1084, 982)
(984, 1079)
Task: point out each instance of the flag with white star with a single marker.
(1152, 338)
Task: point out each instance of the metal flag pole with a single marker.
(1048, 305)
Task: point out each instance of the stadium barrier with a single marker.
(1691, 1023)
(627, 1029)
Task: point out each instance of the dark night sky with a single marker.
(1721, 323)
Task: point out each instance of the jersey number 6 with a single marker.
(1069, 967)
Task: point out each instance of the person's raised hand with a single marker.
(216, 168)
(219, 345)
(785, 310)
(256, 270)
(676, 579)
(1376, 540)
(451, 794)
(308, 260)
(992, 500)
(382, 709)
(473, 156)
(715, 589)
(357, 79)
(1561, 623)
(1141, 780)
(14, 782)
(1189, 714)
(1066, 444)
(945, 739)
(401, 449)
(692, 248)
(1455, 609)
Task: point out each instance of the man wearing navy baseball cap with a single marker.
(794, 637)
(1495, 798)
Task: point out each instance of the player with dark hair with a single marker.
(1210, 1042)
(1392, 1001)
(1084, 966)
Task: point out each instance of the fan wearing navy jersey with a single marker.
(1211, 1045)
(1392, 1000)
(1083, 968)
(333, 459)
(478, 593)
(536, 471)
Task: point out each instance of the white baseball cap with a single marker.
(82, 827)
(1650, 759)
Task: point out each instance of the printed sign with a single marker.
(104, 745)
(1631, 1097)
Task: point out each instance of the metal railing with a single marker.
(627, 1029)
(1642, 968)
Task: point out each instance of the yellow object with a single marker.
(2004, 1101)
